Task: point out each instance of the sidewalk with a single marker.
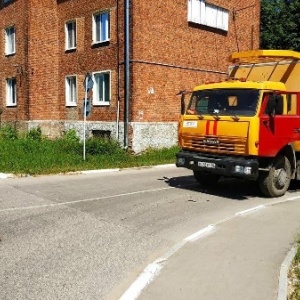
(239, 259)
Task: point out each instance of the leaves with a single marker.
(280, 24)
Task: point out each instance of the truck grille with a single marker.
(216, 144)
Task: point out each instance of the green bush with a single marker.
(71, 136)
(34, 134)
(7, 132)
(96, 146)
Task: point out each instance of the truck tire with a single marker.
(206, 179)
(276, 182)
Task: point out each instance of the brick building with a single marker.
(139, 55)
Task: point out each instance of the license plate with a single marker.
(206, 165)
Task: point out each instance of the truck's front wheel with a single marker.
(276, 182)
(206, 179)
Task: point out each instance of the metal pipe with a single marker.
(118, 70)
(127, 71)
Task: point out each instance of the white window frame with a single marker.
(71, 35)
(11, 92)
(207, 14)
(101, 28)
(10, 40)
(99, 96)
(71, 90)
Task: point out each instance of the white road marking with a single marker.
(85, 200)
(247, 211)
(153, 269)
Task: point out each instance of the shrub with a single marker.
(96, 146)
(7, 132)
(34, 134)
(71, 136)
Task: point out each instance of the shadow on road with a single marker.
(231, 188)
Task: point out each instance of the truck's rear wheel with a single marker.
(276, 182)
(206, 179)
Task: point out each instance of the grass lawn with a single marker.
(294, 277)
(34, 154)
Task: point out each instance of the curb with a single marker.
(97, 171)
(285, 266)
(5, 176)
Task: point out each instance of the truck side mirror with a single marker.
(270, 109)
(279, 105)
(182, 104)
(275, 105)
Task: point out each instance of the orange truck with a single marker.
(247, 126)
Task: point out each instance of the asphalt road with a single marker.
(89, 236)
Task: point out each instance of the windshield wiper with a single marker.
(233, 115)
(215, 113)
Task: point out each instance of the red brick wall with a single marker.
(162, 35)
(15, 13)
(43, 59)
(87, 58)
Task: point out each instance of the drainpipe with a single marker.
(127, 71)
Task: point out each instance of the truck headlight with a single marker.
(181, 161)
(242, 170)
(247, 170)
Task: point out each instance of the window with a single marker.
(10, 40)
(224, 102)
(70, 30)
(101, 91)
(11, 92)
(291, 104)
(207, 14)
(71, 91)
(101, 27)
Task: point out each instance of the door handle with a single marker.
(266, 123)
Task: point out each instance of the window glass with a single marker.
(11, 92)
(225, 102)
(10, 40)
(71, 35)
(207, 14)
(101, 27)
(71, 90)
(291, 104)
(101, 91)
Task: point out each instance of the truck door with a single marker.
(279, 122)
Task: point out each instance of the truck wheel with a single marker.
(276, 182)
(206, 179)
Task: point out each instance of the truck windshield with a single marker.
(225, 102)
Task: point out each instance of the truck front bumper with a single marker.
(229, 166)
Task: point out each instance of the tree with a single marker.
(280, 24)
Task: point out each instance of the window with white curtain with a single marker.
(71, 91)
(70, 30)
(10, 40)
(11, 92)
(101, 27)
(207, 14)
(101, 90)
